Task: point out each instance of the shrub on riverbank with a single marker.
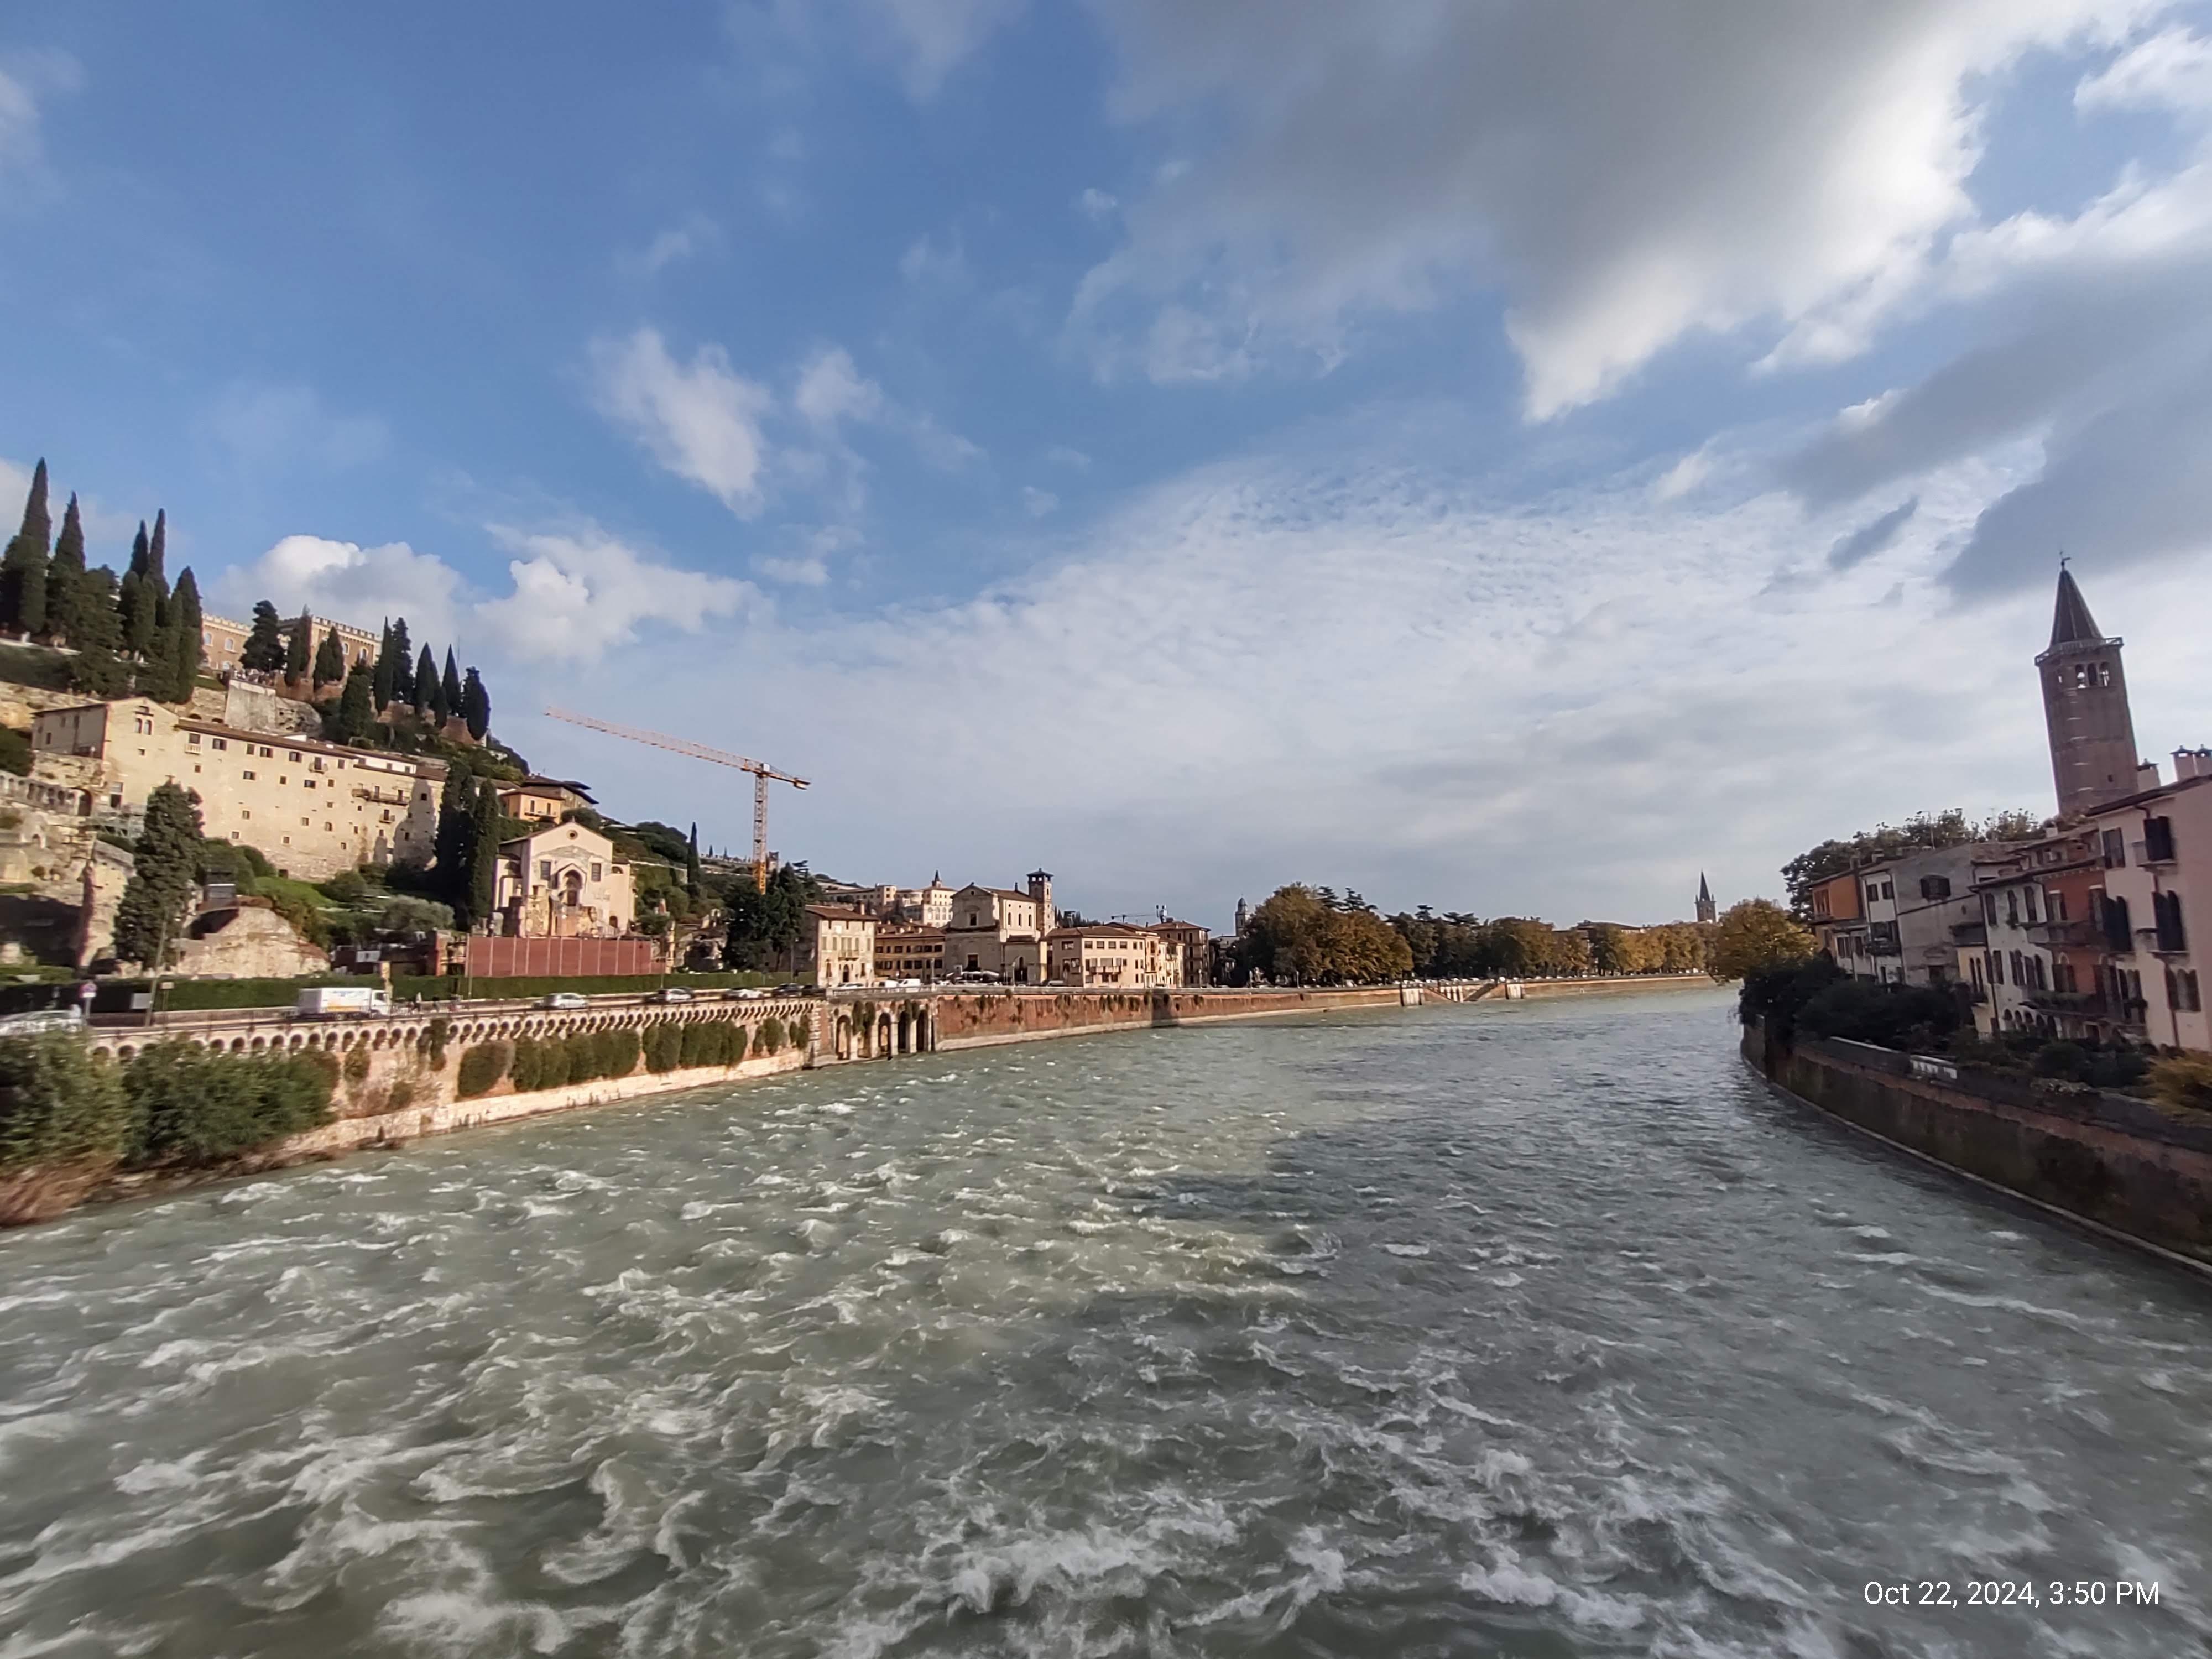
(2184, 1081)
(713, 1042)
(1907, 1017)
(482, 1064)
(193, 1106)
(1777, 992)
(769, 1038)
(59, 1103)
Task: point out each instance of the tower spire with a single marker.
(2085, 705)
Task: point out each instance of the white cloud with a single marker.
(268, 428)
(1098, 205)
(696, 235)
(927, 39)
(1569, 706)
(926, 263)
(1685, 475)
(27, 78)
(1038, 503)
(579, 593)
(354, 584)
(1066, 455)
(808, 571)
(2173, 70)
(1627, 175)
(701, 422)
(831, 390)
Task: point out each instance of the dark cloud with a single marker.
(1873, 537)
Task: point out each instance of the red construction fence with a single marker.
(495, 957)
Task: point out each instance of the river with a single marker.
(1532, 1329)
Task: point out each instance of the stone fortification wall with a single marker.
(2112, 1160)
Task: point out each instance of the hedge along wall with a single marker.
(114, 996)
(411, 985)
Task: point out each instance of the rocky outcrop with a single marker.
(248, 942)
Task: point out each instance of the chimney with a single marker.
(2191, 763)
(2146, 775)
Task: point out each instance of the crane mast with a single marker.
(762, 774)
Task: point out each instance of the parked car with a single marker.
(744, 993)
(674, 993)
(791, 988)
(564, 999)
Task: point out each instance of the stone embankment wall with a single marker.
(974, 1020)
(2113, 1161)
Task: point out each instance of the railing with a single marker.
(2049, 934)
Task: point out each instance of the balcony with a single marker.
(2148, 855)
(381, 796)
(1971, 935)
(2083, 1005)
(2073, 934)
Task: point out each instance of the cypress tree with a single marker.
(150, 916)
(483, 853)
(157, 551)
(475, 707)
(299, 646)
(65, 578)
(449, 852)
(187, 641)
(157, 671)
(449, 688)
(426, 690)
(23, 566)
(356, 717)
(403, 665)
(264, 644)
(692, 865)
(330, 662)
(98, 669)
(137, 597)
(382, 681)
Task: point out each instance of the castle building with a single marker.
(1707, 911)
(222, 640)
(2084, 708)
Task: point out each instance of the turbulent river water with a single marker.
(1526, 1329)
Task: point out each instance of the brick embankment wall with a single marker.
(1626, 986)
(978, 1019)
(2110, 1160)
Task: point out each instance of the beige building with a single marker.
(907, 950)
(996, 930)
(542, 799)
(931, 906)
(1189, 949)
(222, 641)
(1113, 953)
(313, 808)
(562, 881)
(839, 946)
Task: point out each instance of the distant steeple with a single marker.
(2071, 623)
(1707, 911)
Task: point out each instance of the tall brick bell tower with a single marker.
(2084, 707)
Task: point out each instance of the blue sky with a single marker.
(1507, 456)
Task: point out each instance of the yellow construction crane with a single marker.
(721, 758)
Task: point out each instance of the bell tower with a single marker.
(2084, 707)
(1707, 911)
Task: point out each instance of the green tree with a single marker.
(450, 850)
(60, 1103)
(1949, 828)
(65, 577)
(157, 551)
(23, 567)
(140, 597)
(187, 642)
(264, 652)
(692, 865)
(196, 1106)
(449, 688)
(483, 853)
(403, 665)
(765, 927)
(476, 706)
(330, 661)
(299, 646)
(151, 917)
(98, 670)
(1753, 935)
(426, 692)
(1308, 936)
(357, 713)
(380, 681)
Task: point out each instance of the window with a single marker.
(218, 743)
(596, 872)
(294, 758)
(1990, 908)
(243, 813)
(2116, 850)
(1935, 887)
(2119, 937)
(2031, 905)
(2062, 976)
(2166, 917)
(248, 776)
(2181, 992)
(2012, 907)
(192, 738)
(545, 869)
(2104, 673)
(2158, 841)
